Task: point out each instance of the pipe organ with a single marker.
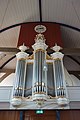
(48, 80)
(59, 76)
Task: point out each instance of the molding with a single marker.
(7, 70)
(62, 24)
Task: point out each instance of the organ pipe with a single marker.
(59, 76)
(39, 90)
(19, 83)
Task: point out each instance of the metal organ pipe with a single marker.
(18, 90)
(39, 74)
(39, 77)
(59, 77)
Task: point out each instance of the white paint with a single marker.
(8, 81)
(71, 80)
(1, 74)
(5, 93)
(20, 55)
(76, 81)
(39, 42)
(74, 93)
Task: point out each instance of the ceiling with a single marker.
(15, 12)
(18, 11)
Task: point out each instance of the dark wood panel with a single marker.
(70, 115)
(52, 34)
(47, 115)
(9, 115)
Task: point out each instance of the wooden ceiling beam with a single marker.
(71, 51)
(66, 51)
(7, 49)
(40, 10)
(7, 70)
(74, 72)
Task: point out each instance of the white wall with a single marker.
(8, 81)
(6, 87)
